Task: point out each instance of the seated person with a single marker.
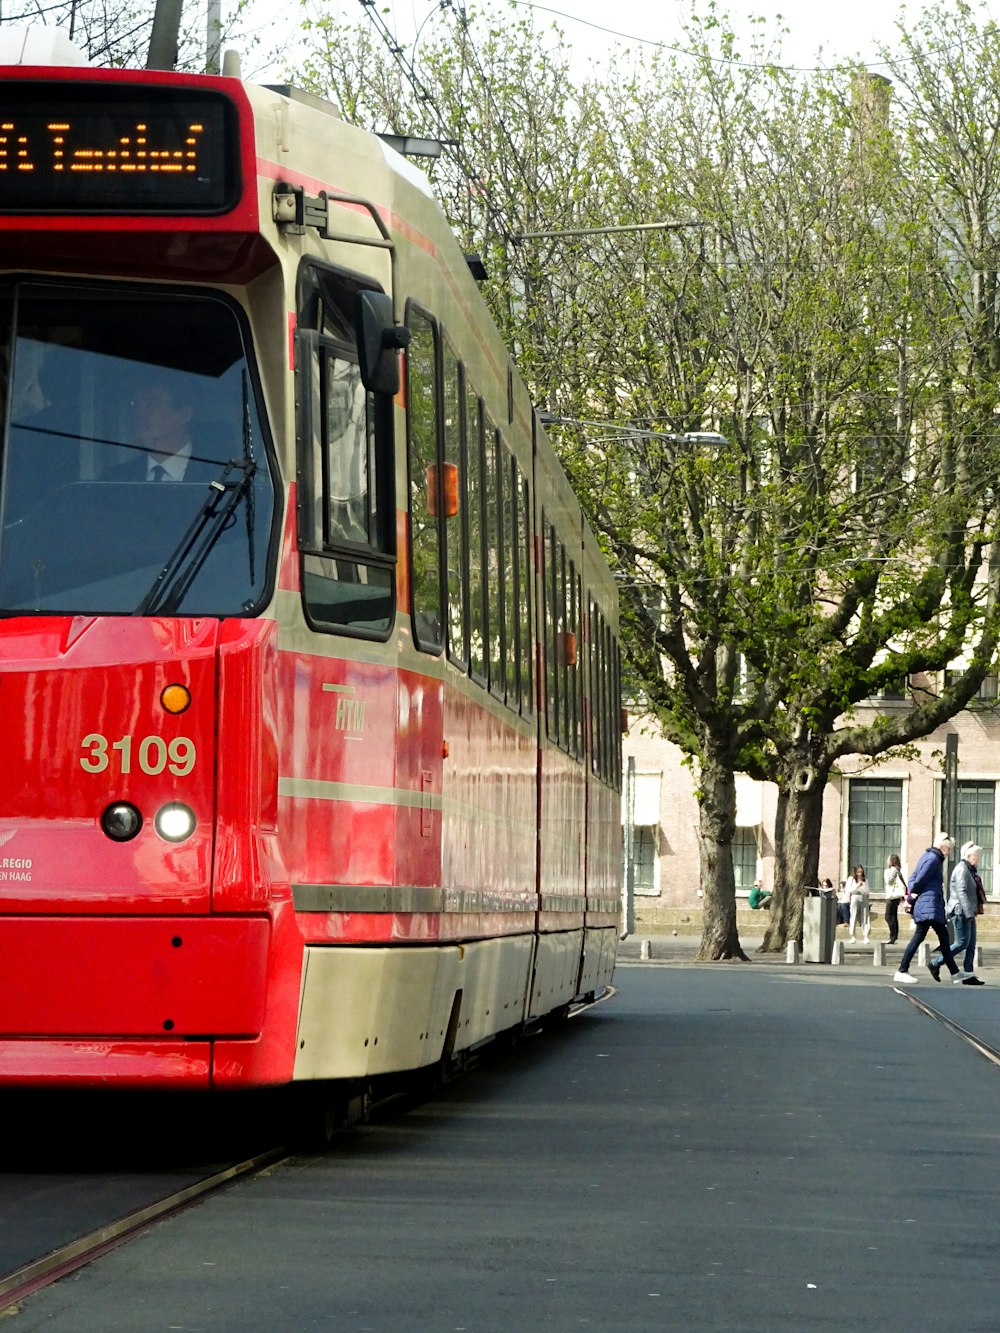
(758, 897)
(161, 444)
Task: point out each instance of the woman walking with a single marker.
(926, 892)
(895, 887)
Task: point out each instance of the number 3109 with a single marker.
(152, 753)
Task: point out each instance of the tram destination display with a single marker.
(93, 148)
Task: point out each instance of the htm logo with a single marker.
(350, 714)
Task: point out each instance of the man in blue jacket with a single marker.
(926, 892)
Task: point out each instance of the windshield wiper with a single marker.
(174, 580)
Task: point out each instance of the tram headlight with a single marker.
(174, 822)
(121, 821)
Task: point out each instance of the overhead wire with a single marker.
(683, 51)
(467, 42)
(426, 98)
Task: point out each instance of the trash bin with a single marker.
(819, 926)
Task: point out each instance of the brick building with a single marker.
(869, 810)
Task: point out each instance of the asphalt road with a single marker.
(70, 1164)
(717, 1147)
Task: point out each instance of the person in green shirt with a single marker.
(758, 898)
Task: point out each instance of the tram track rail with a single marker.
(65, 1259)
(977, 1043)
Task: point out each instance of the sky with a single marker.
(818, 33)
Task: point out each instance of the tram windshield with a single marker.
(133, 473)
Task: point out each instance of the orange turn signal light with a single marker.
(176, 698)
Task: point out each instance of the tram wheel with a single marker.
(554, 1020)
(318, 1113)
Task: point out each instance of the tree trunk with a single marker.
(716, 826)
(797, 827)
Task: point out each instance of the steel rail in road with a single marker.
(67, 1258)
(975, 1042)
(32, 1277)
(575, 1010)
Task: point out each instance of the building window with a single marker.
(745, 857)
(987, 694)
(874, 824)
(644, 858)
(976, 823)
(893, 691)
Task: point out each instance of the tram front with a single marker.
(137, 507)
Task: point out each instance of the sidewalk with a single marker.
(681, 948)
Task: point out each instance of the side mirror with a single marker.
(379, 339)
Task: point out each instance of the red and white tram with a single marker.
(309, 766)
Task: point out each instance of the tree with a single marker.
(794, 476)
(838, 537)
(116, 33)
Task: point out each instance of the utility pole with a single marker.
(213, 38)
(628, 888)
(949, 794)
(165, 35)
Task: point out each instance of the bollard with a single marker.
(644, 951)
(977, 961)
(837, 953)
(923, 954)
(878, 959)
(792, 952)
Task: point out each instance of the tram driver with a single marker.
(161, 446)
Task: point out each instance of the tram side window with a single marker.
(598, 693)
(572, 649)
(455, 537)
(424, 419)
(562, 607)
(548, 599)
(345, 428)
(524, 567)
(615, 676)
(494, 559)
(594, 655)
(605, 704)
(345, 467)
(508, 573)
(475, 499)
(610, 733)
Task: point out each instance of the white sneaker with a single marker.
(851, 939)
(904, 979)
(958, 978)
